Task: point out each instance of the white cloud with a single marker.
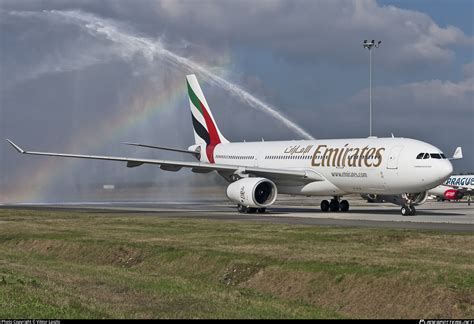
(323, 30)
(468, 69)
(309, 28)
(426, 96)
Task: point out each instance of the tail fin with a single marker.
(457, 154)
(206, 132)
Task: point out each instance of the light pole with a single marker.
(369, 45)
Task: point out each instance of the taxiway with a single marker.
(448, 216)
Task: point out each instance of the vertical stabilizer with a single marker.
(206, 132)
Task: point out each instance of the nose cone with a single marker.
(443, 171)
(439, 173)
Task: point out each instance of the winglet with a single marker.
(457, 154)
(16, 147)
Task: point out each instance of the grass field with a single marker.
(64, 264)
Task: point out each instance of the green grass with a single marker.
(58, 264)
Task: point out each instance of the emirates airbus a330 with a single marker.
(258, 171)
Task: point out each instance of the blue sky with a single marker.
(63, 72)
(458, 13)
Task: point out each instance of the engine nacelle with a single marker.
(453, 194)
(252, 192)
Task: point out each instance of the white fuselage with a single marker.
(365, 165)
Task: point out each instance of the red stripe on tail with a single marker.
(213, 134)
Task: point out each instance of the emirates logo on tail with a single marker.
(205, 129)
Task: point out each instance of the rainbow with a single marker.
(144, 106)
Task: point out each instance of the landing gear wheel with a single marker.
(261, 210)
(241, 208)
(334, 205)
(325, 206)
(251, 210)
(408, 211)
(344, 205)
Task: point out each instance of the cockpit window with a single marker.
(432, 155)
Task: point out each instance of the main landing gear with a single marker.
(335, 205)
(249, 210)
(408, 210)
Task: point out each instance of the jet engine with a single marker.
(252, 192)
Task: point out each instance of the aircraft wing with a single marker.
(202, 167)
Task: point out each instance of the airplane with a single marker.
(259, 171)
(454, 188)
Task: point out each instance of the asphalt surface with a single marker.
(443, 216)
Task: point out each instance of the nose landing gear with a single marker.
(408, 204)
(408, 210)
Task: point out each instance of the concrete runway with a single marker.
(445, 216)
